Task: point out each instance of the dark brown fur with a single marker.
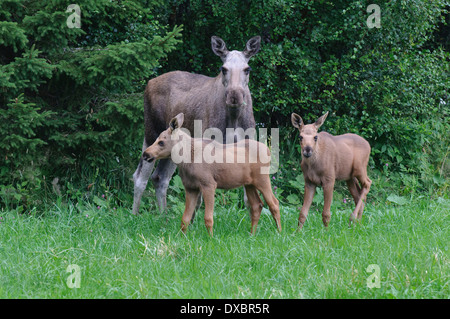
(199, 97)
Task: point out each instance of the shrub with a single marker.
(73, 97)
(388, 84)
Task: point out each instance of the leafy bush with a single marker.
(388, 84)
(72, 97)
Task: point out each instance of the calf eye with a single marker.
(247, 70)
(301, 137)
(161, 143)
(224, 70)
(315, 138)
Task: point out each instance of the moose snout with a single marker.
(234, 97)
(307, 151)
(148, 157)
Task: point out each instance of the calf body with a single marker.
(235, 165)
(327, 158)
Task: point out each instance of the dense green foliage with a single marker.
(389, 84)
(71, 98)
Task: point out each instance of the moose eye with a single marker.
(224, 70)
(315, 138)
(161, 143)
(247, 70)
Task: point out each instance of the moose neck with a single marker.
(233, 114)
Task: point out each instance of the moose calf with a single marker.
(235, 166)
(326, 158)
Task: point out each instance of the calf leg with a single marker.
(161, 178)
(365, 187)
(355, 190)
(310, 190)
(327, 199)
(191, 200)
(246, 200)
(271, 201)
(140, 179)
(197, 207)
(255, 204)
(208, 198)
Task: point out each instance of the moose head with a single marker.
(235, 69)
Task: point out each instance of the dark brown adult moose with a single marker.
(245, 163)
(327, 158)
(221, 102)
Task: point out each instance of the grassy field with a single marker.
(146, 256)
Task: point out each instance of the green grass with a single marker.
(146, 256)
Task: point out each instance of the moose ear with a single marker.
(320, 120)
(176, 122)
(219, 48)
(252, 47)
(296, 120)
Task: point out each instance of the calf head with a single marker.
(163, 145)
(308, 133)
(235, 69)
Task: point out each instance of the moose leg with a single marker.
(208, 198)
(310, 190)
(272, 202)
(365, 187)
(161, 178)
(191, 201)
(359, 191)
(140, 179)
(197, 207)
(246, 200)
(328, 189)
(354, 189)
(255, 206)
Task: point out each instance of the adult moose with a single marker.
(221, 102)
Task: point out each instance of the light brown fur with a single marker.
(204, 178)
(327, 158)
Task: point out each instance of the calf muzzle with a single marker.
(147, 157)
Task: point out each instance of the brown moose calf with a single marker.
(326, 158)
(205, 165)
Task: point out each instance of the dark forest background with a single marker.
(71, 99)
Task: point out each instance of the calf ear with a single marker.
(176, 122)
(320, 120)
(296, 120)
(252, 47)
(219, 48)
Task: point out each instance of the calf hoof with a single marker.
(352, 220)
